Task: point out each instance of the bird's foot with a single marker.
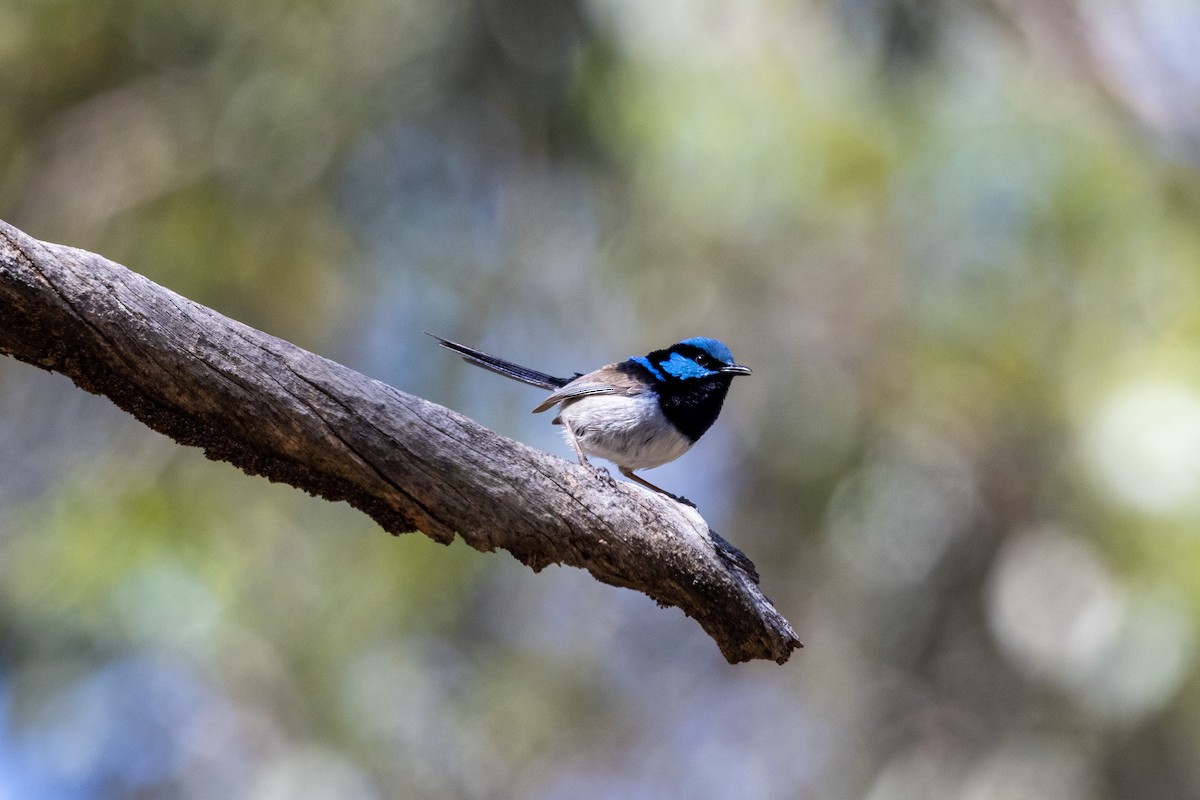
(678, 498)
(601, 473)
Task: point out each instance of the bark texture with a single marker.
(276, 410)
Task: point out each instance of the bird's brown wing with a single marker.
(611, 379)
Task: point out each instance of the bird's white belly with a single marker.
(629, 431)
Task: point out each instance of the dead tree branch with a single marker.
(276, 410)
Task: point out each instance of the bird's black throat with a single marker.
(692, 406)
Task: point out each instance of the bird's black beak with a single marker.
(735, 369)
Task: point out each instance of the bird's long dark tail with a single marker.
(506, 368)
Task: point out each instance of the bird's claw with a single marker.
(601, 473)
(678, 498)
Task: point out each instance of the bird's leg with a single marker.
(575, 443)
(601, 472)
(628, 473)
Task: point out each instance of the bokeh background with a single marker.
(958, 242)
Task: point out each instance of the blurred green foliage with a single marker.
(957, 243)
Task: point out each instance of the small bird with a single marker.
(638, 413)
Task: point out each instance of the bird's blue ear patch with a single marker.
(682, 367)
(648, 364)
(713, 347)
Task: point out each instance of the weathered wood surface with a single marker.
(276, 410)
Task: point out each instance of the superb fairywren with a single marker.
(638, 413)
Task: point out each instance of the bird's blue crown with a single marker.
(713, 347)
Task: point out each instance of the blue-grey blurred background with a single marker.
(958, 242)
